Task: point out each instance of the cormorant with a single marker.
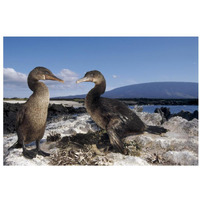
(112, 115)
(31, 118)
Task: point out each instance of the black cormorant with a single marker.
(112, 115)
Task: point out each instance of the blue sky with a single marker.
(122, 60)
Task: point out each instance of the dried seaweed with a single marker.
(82, 149)
(52, 137)
(79, 156)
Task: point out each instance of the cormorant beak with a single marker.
(84, 79)
(54, 78)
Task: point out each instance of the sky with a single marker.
(122, 61)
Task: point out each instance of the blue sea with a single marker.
(173, 109)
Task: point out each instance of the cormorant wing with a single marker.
(115, 108)
(20, 116)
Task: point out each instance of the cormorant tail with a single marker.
(156, 130)
(115, 141)
(15, 145)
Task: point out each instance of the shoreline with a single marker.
(65, 103)
(132, 101)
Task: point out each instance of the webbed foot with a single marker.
(39, 151)
(42, 153)
(29, 154)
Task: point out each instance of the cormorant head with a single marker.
(92, 76)
(42, 73)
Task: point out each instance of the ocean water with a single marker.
(173, 109)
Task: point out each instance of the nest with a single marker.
(82, 149)
(79, 156)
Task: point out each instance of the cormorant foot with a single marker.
(29, 154)
(42, 153)
(39, 151)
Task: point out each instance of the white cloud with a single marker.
(10, 75)
(13, 78)
(69, 77)
(114, 76)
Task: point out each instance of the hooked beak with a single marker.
(54, 78)
(84, 79)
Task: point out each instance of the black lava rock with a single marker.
(9, 116)
(166, 115)
(164, 112)
(187, 115)
(56, 110)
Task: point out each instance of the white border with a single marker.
(98, 18)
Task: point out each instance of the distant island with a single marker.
(154, 90)
(157, 93)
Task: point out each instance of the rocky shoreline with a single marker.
(73, 138)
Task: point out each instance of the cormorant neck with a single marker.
(97, 91)
(37, 86)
